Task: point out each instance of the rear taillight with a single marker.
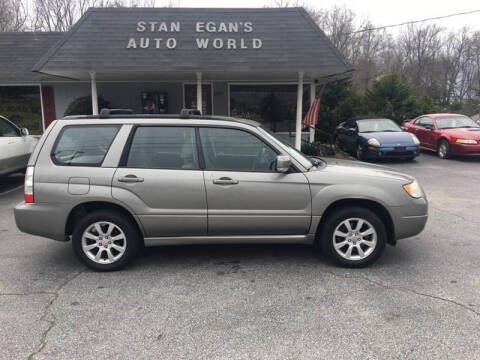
(29, 185)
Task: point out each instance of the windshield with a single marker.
(452, 122)
(294, 153)
(377, 125)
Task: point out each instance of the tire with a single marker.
(372, 244)
(359, 154)
(443, 149)
(118, 247)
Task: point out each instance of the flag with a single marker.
(311, 119)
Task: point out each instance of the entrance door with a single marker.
(245, 195)
(191, 98)
(162, 181)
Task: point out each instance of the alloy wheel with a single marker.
(442, 150)
(104, 242)
(354, 239)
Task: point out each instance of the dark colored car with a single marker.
(372, 138)
(446, 134)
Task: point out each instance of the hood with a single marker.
(464, 133)
(359, 169)
(400, 138)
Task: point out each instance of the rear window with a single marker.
(83, 145)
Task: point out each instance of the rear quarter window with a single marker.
(83, 145)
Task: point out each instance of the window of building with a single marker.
(275, 106)
(22, 106)
(163, 147)
(235, 150)
(83, 145)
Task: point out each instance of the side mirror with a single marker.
(283, 163)
(24, 131)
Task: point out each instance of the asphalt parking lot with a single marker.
(420, 301)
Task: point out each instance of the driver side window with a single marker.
(236, 150)
(7, 129)
(425, 122)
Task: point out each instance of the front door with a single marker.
(191, 98)
(425, 131)
(14, 149)
(161, 180)
(245, 195)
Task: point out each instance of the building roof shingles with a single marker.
(19, 51)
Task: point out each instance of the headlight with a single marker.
(373, 142)
(415, 140)
(466, 141)
(413, 189)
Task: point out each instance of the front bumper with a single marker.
(465, 149)
(47, 220)
(390, 152)
(410, 220)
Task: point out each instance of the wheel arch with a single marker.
(441, 138)
(371, 205)
(84, 208)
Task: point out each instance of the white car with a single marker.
(16, 147)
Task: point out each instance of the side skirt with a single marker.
(229, 239)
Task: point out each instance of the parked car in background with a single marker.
(376, 138)
(446, 134)
(114, 183)
(16, 146)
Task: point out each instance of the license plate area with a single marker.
(399, 148)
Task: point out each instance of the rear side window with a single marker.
(163, 147)
(83, 145)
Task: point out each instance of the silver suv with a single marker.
(116, 183)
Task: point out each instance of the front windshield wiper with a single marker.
(468, 126)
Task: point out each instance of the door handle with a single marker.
(225, 181)
(130, 179)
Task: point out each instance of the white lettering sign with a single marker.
(218, 42)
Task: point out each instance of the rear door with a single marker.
(245, 195)
(159, 177)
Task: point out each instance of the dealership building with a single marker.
(264, 64)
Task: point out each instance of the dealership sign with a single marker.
(154, 28)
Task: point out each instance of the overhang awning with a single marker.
(174, 43)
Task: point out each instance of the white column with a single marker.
(93, 82)
(298, 127)
(313, 88)
(199, 90)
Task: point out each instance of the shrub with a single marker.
(83, 106)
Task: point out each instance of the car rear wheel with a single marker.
(443, 149)
(105, 241)
(353, 237)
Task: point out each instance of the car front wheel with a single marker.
(105, 241)
(360, 152)
(443, 149)
(353, 237)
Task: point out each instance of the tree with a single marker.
(393, 98)
(13, 15)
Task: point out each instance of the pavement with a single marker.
(421, 300)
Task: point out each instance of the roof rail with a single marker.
(189, 112)
(105, 113)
